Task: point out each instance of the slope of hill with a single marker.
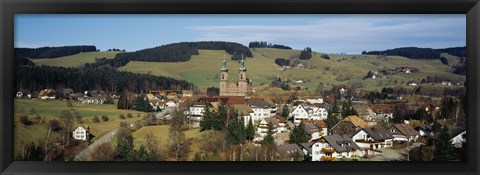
(53, 52)
(76, 60)
(203, 69)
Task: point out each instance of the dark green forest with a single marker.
(35, 78)
(264, 44)
(420, 53)
(52, 52)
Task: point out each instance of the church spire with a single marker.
(224, 67)
(242, 66)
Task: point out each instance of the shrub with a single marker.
(105, 118)
(122, 116)
(325, 56)
(129, 115)
(55, 125)
(96, 119)
(24, 120)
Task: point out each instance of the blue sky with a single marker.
(324, 33)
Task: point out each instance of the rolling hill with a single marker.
(76, 60)
(203, 69)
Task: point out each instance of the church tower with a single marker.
(242, 79)
(223, 78)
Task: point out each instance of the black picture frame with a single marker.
(8, 8)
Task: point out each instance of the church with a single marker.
(239, 88)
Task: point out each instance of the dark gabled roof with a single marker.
(289, 150)
(454, 131)
(258, 102)
(307, 146)
(280, 118)
(406, 130)
(340, 143)
(67, 90)
(378, 133)
(310, 128)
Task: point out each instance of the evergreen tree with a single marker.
(269, 139)
(142, 104)
(285, 111)
(347, 109)
(332, 119)
(197, 157)
(142, 154)
(221, 120)
(250, 131)
(298, 134)
(124, 144)
(207, 122)
(398, 117)
(436, 127)
(122, 101)
(445, 150)
(235, 130)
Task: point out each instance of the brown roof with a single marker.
(272, 120)
(280, 118)
(243, 109)
(405, 129)
(356, 121)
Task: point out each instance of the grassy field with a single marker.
(51, 109)
(160, 132)
(76, 60)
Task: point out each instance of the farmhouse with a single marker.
(81, 133)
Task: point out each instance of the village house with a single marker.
(23, 94)
(262, 127)
(187, 93)
(289, 152)
(373, 138)
(262, 108)
(424, 130)
(171, 103)
(458, 134)
(403, 132)
(81, 133)
(92, 100)
(333, 147)
(282, 138)
(305, 112)
(47, 94)
(66, 92)
(349, 125)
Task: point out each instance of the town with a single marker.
(231, 122)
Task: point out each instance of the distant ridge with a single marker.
(420, 53)
(52, 52)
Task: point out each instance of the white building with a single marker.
(80, 133)
(171, 103)
(459, 139)
(262, 108)
(333, 147)
(373, 138)
(305, 112)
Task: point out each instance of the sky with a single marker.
(349, 34)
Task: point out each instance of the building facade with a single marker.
(228, 88)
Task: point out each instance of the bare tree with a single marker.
(179, 146)
(154, 148)
(104, 152)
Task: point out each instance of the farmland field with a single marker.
(76, 60)
(51, 109)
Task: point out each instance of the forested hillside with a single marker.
(35, 78)
(420, 53)
(52, 52)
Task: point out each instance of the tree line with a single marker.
(177, 52)
(264, 44)
(420, 53)
(52, 52)
(35, 78)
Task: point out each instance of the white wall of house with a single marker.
(259, 113)
(459, 140)
(80, 133)
(299, 114)
(197, 110)
(317, 152)
(171, 104)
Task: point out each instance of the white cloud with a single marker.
(347, 34)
